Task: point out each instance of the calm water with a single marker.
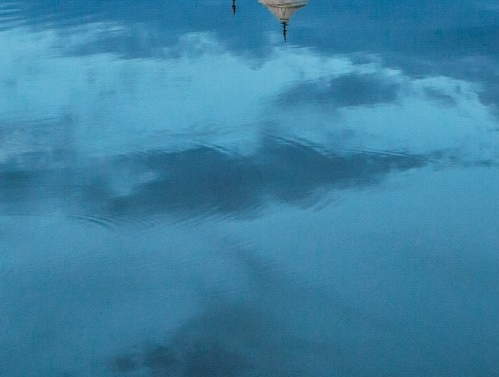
(182, 193)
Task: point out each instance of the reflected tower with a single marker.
(283, 10)
(233, 7)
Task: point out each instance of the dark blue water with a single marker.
(183, 193)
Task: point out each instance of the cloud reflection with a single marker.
(286, 171)
(205, 180)
(127, 110)
(252, 334)
(188, 135)
(344, 91)
(412, 37)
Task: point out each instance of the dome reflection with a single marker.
(283, 10)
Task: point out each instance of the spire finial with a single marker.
(284, 30)
(233, 7)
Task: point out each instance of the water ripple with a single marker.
(10, 16)
(196, 183)
(45, 14)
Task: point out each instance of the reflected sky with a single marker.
(185, 193)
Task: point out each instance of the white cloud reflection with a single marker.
(205, 94)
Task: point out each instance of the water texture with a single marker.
(249, 188)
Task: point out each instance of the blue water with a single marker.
(184, 193)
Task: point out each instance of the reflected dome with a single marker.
(283, 10)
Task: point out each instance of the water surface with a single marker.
(184, 193)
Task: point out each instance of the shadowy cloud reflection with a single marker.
(440, 96)
(202, 180)
(343, 91)
(253, 333)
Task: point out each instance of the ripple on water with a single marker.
(10, 15)
(47, 14)
(200, 184)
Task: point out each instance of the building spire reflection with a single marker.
(233, 7)
(283, 10)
